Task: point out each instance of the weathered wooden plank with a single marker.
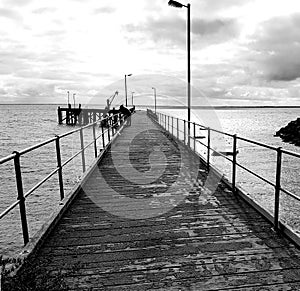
(201, 278)
(212, 240)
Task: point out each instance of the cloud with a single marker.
(168, 31)
(105, 10)
(171, 31)
(44, 10)
(217, 5)
(10, 14)
(17, 3)
(276, 46)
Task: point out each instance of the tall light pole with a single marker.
(154, 99)
(126, 88)
(132, 98)
(74, 98)
(188, 6)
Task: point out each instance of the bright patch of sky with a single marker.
(243, 52)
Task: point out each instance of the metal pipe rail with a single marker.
(179, 126)
(112, 122)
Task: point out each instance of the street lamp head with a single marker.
(129, 75)
(175, 4)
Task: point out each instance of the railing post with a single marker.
(168, 124)
(59, 172)
(172, 125)
(82, 150)
(234, 153)
(21, 198)
(108, 132)
(177, 128)
(112, 124)
(208, 149)
(184, 133)
(189, 134)
(277, 189)
(194, 124)
(103, 138)
(95, 140)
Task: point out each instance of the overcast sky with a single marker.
(243, 52)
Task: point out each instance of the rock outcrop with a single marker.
(291, 132)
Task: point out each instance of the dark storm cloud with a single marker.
(276, 47)
(172, 31)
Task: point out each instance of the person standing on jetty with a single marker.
(124, 110)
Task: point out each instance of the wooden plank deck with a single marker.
(172, 229)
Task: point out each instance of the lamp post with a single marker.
(132, 98)
(126, 87)
(154, 89)
(188, 6)
(74, 98)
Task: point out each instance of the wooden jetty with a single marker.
(84, 116)
(80, 116)
(111, 238)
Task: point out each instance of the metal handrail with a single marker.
(164, 121)
(7, 158)
(112, 121)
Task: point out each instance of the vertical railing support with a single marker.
(172, 125)
(208, 149)
(189, 134)
(168, 124)
(59, 167)
(194, 125)
(21, 198)
(184, 133)
(177, 128)
(277, 189)
(108, 132)
(95, 140)
(82, 150)
(234, 153)
(103, 138)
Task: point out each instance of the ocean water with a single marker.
(26, 125)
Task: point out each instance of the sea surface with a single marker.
(26, 125)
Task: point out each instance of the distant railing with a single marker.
(175, 126)
(109, 127)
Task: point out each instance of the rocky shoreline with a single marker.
(291, 132)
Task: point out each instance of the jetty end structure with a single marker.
(151, 213)
(83, 116)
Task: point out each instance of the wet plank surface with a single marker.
(151, 218)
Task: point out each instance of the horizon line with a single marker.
(174, 106)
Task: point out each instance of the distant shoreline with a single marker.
(218, 107)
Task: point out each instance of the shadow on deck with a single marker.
(159, 222)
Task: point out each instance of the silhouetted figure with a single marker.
(126, 112)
